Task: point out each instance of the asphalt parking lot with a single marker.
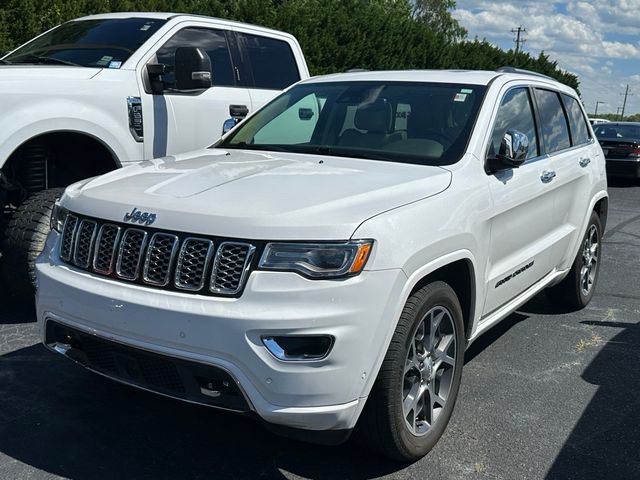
(544, 395)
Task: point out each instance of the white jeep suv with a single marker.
(328, 262)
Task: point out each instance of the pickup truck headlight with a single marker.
(317, 260)
(58, 217)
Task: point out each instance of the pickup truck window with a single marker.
(214, 42)
(358, 119)
(104, 43)
(271, 62)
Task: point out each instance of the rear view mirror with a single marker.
(193, 69)
(305, 113)
(514, 148)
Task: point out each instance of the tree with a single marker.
(436, 15)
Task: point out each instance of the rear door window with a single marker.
(577, 121)
(553, 122)
(271, 64)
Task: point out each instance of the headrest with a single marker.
(374, 117)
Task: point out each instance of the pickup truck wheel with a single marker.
(576, 289)
(26, 234)
(412, 400)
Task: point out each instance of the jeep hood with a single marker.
(260, 196)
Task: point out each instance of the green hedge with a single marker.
(336, 35)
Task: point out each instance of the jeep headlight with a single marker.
(317, 260)
(58, 217)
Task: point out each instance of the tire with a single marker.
(575, 291)
(385, 423)
(26, 233)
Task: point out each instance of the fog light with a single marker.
(296, 348)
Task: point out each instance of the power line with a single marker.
(519, 41)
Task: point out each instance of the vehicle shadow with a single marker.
(14, 311)
(606, 439)
(59, 418)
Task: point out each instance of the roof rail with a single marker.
(522, 71)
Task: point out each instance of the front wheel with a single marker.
(25, 235)
(576, 289)
(413, 398)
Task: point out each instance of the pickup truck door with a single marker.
(519, 252)
(184, 121)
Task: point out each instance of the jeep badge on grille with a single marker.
(143, 218)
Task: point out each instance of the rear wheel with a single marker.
(577, 288)
(25, 236)
(415, 392)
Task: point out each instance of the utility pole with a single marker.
(624, 104)
(618, 113)
(596, 112)
(519, 41)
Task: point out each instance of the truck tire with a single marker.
(575, 291)
(25, 235)
(412, 400)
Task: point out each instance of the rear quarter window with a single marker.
(577, 121)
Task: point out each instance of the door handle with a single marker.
(238, 111)
(584, 162)
(547, 176)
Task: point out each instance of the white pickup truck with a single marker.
(98, 92)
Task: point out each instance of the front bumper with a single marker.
(225, 335)
(629, 168)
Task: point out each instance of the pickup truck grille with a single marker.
(170, 260)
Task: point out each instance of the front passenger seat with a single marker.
(376, 120)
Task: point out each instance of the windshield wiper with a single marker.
(347, 152)
(43, 60)
(251, 146)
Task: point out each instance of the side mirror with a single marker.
(228, 124)
(238, 113)
(514, 148)
(193, 69)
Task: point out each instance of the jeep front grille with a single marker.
(161, 259)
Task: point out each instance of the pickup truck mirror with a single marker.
(193, 69)
(514, 148)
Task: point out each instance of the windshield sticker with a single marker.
(145, 27)
(466, 90)
(460, 97)
(115, 64)
(104, 61)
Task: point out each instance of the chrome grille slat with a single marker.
(130, 253)
(85, 236)
(68, 237)
(193, 261)
(105, 248)
(230, 267)
(175, 261)
(160, 254)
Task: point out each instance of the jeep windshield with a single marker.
(106, 43)
(424, 123)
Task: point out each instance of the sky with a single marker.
(597, 40)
